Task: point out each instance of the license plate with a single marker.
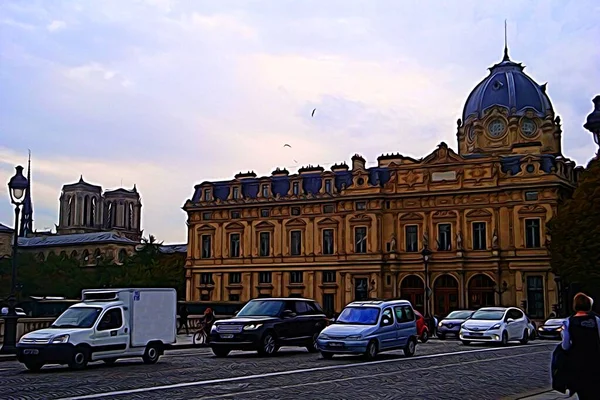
(476, 334)
(31, 351)
(228, 336)
(335, 344)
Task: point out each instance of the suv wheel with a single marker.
(424, 336)
(410, 348)
(268, 347)
(220, 352)
(525, 338)
(313, 347)
(34, 366)
(371, 352)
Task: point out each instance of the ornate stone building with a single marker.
(357, 232)
(6, 237)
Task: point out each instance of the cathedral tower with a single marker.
(81, 206)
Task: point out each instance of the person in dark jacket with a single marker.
(209, 320)
(183, 319)
(581, 341)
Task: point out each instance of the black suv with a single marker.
(265, 325)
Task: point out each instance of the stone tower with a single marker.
(80, 208)
(123, 211)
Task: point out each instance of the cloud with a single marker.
(56, 26)
(167, 93)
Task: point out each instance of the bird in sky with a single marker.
(287, 145)
(313, 112)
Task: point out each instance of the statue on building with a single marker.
(393, 243)
(495, 239)
(459, 241)
(426, 238)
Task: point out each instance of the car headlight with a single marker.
(440, 324)
(541, 328)
(560, 328)
(354, 337)
(497, 326)
(60, 339)
(252, 327)
(323, 336)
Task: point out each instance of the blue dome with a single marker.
(508, 86)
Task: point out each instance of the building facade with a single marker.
(6, 239)
(357, 232)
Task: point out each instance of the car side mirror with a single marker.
(288, 314)
(236, 312)
(386, 322)
(510, 321)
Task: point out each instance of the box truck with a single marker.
(108, 324)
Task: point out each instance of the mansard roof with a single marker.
(75, 239)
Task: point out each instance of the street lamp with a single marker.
(426, 254)
(501, 290)
(593, 120)
(16, 188)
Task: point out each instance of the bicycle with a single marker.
(200, 336)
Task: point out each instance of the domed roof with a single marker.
(508, 86)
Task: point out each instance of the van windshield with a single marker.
(359, 316)
(77, 317)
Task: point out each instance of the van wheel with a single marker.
(220, 352)
(152, 354)
(410, 348)
(34, 366)
(525, 338)
(110, 361)
(371, 352)
(80, 358)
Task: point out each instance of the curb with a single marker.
(529, 394)
(8, 357)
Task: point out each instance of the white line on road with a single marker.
(283, 373)
(369, 376)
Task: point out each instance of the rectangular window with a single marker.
(329, 303)
(234, 297)
(295, 210)
(265, 190)
(532, 233)
(444, 240)
(206, 278)
(361, 205)
(235, 278)
(328, 246)
(206, 246)
(236, 215)
(328, 186)
(264, 277)
(265, 244)
(535, 297)
(531, 196)
(205, 297)
(265, 213)
(207, 195)
(296, 243)
(328, 209)
(236, 193)
(234, 245)
(329, 277)
(360, 239)
(296, 188)
(412, 238)
(479, 236)
(296, 277)
(388, 205)
(206, 215)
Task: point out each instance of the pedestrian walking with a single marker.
(183, 319)
(581, 341)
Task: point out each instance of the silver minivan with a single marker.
(369, 328)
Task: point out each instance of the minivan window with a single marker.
(77, 317)
(404, 314)
(359, 316)
(262, 308)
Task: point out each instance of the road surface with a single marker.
(439, 370)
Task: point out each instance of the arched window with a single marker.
(85, 256)
(109, 213)
(122, 255)
(97, 256)
(74, 254)
(93, 212)
(114, 214)
(86, 206)
(41, 256)
(70, 211)
(130, 222)
(63, 255)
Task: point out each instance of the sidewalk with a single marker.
(183, 342)
(540, 395)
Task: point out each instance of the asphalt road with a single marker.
(439, 370)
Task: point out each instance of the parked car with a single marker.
(496, 324)
(451, 324)
(551, 329)
(422, 328)
(264, 325)
(371, 327)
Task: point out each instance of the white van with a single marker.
(107, 325)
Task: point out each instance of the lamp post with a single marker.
(16, 188)
(426, 254)
(501, 289)
(593, 120)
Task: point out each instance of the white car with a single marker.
(496, 324)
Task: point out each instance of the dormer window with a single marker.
(236, 193)
(328, 186)
(265, 190)
(296, 188)
(207, 195)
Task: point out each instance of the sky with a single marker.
(166, 94)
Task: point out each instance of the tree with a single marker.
(575, 233)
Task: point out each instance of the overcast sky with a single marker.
(166, 94)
